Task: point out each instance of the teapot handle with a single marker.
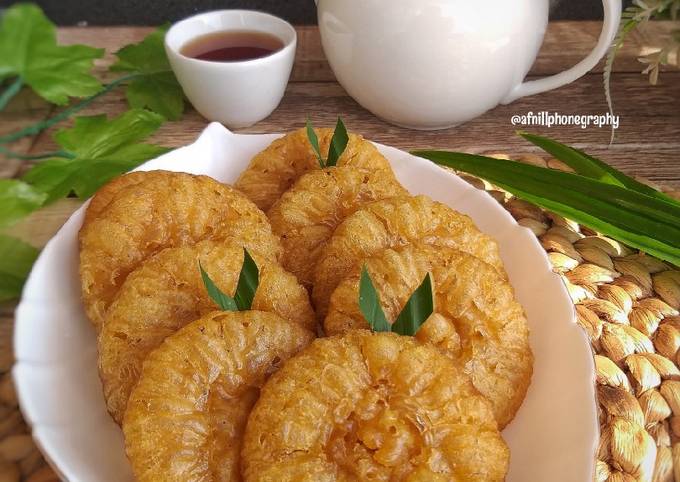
(612, 16)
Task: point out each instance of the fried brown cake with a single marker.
(479, 324)
(308, 213)
(187, 414)
(274, 170)
(372, 407)
(108, 192)
(165, 209)
(391, 223)
(166, 292)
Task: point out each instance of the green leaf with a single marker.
(155, 86)
(225, 302)
(314, 141)
(369, 303)
(16, 260)
(337, 147)
(28, 48)
(418, 308)
(591, 167)
(644, 222)
(157, 92)
(101, 149)
(338, 144)
(18, 199)
(248, 281)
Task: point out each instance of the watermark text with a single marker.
(550, 119)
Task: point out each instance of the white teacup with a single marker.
(432, 64)
(238, 93)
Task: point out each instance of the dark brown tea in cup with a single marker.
(232, 46)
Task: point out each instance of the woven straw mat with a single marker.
(627, 302)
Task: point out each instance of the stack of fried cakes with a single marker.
(204, 394)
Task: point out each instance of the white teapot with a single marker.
(433, 64)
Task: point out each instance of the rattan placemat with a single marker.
(627, 302)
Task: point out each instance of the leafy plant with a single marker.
(638, 14)
(248, 281)
(591, 167)
(597, 195)
(416, 311)
(95, 150)
(152, 84)
(337, 147)
(29, 55)
(16, 260)
(18, 199)
(369, 303)
(56, 72)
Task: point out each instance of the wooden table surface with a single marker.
(647, 143)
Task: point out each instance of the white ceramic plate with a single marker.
(552, 438)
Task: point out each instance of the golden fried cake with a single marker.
(372, 406)
(166, 209)
(307, 214)
(108, 191)
(166, 292)
(274, 170)
(479, 324)
(187, 414)
(391, 223)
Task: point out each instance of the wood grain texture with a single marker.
(25, 109)
(645, 140)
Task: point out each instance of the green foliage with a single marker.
(99, 150)
(16, 259)
(650, 223)
(591, 167)
(338, 143)
(369, 303)
(95, 149)
(17, 200)
(416, 311)
(248, 281)
(222, 300)
(154, 85)
(29, 50)
(314, 141)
